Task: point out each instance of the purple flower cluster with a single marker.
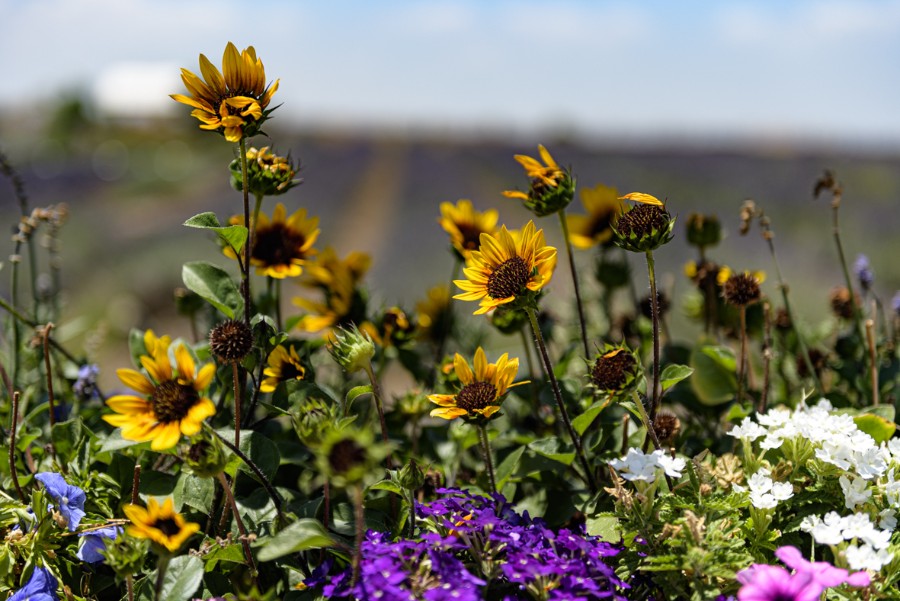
(807, 582)
(472, 545)
(864, 274)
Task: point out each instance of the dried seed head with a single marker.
(615, 370)
(741, 289)
(231, 341)
(667, 427)
(841, 303)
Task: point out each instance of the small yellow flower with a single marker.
(232, 101)
(482, 389)
(552, 187)
(284, 365)
(160, 524)
(465, 225)
(282, 245)
(506, 268)
(338, 279)
(602, 205)
(173, 403)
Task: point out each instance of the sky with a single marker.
(767, 69)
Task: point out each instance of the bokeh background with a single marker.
(395, 106)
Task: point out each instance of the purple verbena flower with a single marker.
(69, 499)
(86, 384)
(95, 542)
(40, 587)
(863, 271)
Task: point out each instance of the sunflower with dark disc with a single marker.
(482, 387)
(507, 268)
(172, 402)
(282, 245)
(233, 101)
(160, 524)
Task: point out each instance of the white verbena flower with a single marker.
(864, 557)
(856, 492)
(828, 531)
(748, 430)
(636, 466)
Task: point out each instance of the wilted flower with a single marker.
(267, 173)
(235, 103)
(742, 289)
(552, 187)
(842, 305)
(69, 499)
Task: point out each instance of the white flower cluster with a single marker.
(638, 466)
(765, 493)
(868, 543)
(867, 481)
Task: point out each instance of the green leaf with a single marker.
(388, 485)
(233, 553)
(196, 492)
(356, 392)
(508, 467)
(673, 374)
(214, 285)
(876, 426)
(182, 579)
(606, 526)
(715, 380)
(550, 449)
(232, 235)
(259, 448)
(583, 421)
(300, 536)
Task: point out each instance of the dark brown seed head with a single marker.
(841, 304)
(476, 395)
(613, 370)
(171, 401)
(508, 279)
(345, 455)
(231, 341)
(643, 220)
(741, 289)
(667, 427)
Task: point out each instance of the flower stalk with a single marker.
(245, 544)
(486, 451)
(654, 310)
(565, 229)
(560, 403)
(12, 445)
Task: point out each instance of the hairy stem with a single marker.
(581, 320)
(486, 451)
(245, 543)
(248, 246)
(654, 310)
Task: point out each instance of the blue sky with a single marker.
(824, 70)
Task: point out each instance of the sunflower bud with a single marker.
(508, 320)
(267, 173)
(312, 419)
(231, 341)
(643, 228)
(205, 457)
(126, 555)
(351, 349)
(411, 476)
(703, 231)
(616, 370)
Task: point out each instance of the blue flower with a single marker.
(86, 384)
(70, 499)
(95, 542)
(41, 587)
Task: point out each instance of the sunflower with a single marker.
(282, 246)
(344, 303)
(160, 524)
(434, 318)
(482, 389)
(172, 404)
(552, 187)
(602, 204)
(235, 103)
(284, 366)
(465, 225)
(549, 174)
(507, 268)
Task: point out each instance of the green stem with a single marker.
(248, 246)
(161, 568)
(12, 445)
(565, 230)
(743, 358)
(645, 419)
(486, 451)
(654, 310)
(379, 406)
(857, 312)
(236, 381)
(360, 527)
(560, 403)
(535, 401)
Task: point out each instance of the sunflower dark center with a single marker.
(277, 244)
(346, 454)
(508, 278)
(471, 235)
(642, 220)
(611, 371)
(167, 526)
(171, 401)
(289, 371)
(476, 395)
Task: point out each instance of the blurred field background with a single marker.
(394, 107)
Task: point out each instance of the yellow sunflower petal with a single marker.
(641, 197)
(448, 412)
(135, 380)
